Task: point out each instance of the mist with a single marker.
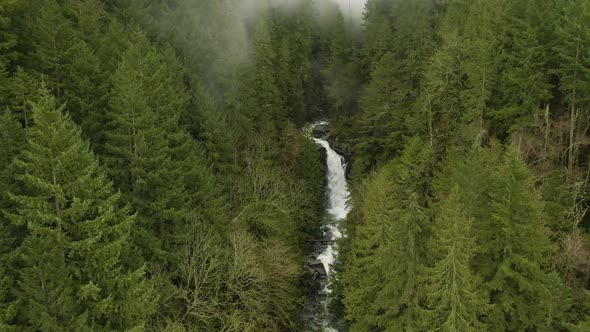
(249, 10)
(352, 7)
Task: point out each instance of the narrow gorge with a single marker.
(317, 315)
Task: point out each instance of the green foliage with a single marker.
(455, 295)
(8, 39)
(514, 249)
(85, 90)
(573, 70)
(72, 275)
(342, 70)
(23, 88)
(140, 154)
(87, 15)
(377, 21)
(211, 127)
(195, 109)
(441, 96)
(311, 172)
(363, 276)
(268, 102)
(392, 227)
(381, 121)
(11, 140)
(53, 39)
(526, 86)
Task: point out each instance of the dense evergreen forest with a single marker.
(155, 176)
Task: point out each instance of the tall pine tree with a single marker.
(455, 295)
(72, 277)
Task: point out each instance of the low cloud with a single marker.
(352, 7)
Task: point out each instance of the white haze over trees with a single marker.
(354, 7)
(231, 35)
(348, 7)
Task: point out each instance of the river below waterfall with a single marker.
(316, 314)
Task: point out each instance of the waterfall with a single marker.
(337, 208)
(317, 316)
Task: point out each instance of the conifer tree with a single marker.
(72, 276)
(53, 39)
(269, 103)
(342, 69)
(23, 88)
(401, 295)
(484, 30)
(87, 15)
(363, 277)
(413, 42)
(574, 66)
(455, 294)
(85, 90)
(524, 80)
(310, 170)
(209, 125)
(113, 44)
(377, 32)
(471, 171)
(143, 116)
(513, 249)
(11, 142)
(441, 91)
(8, 39)
(160, 170)
(301, 62)
(385, 295)
(381, 119)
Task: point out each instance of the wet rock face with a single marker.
(316, 266)
(316, 279)
(321, 129)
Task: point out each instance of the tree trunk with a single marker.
(430, 120)
(571, 147)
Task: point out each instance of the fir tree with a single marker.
(454, 292)
(268, 100)
(88, 16)
(484, 31)
(401, 295)
(525, 83)
(372, 232)
(342, 68)
(85, 90)
(377, 32)
(72, 277)
(381, 121)
(514, 249)
(574, 66)
(441, 91)
(53, 39)
(11, 142)
(8, 39)
(161, 171)
(140, 153)
(23, 88)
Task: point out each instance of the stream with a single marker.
(316, 315)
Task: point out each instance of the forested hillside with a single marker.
(471, 163)
(154, 175)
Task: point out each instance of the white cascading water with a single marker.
(338, 195)
(337, 209)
